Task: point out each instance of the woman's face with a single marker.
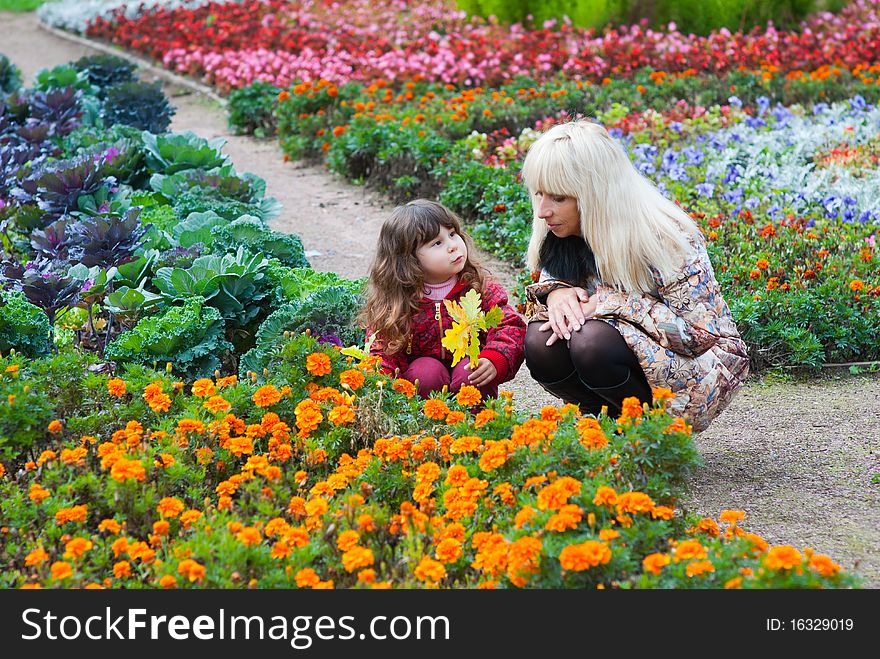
(559, 213)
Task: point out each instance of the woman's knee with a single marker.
(599, 353)
(545, 363)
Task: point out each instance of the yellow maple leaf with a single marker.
(468, 320)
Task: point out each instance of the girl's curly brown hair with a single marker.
(396, 284)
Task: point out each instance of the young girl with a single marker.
(423, 259)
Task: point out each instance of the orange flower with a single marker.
(455, 416)
(36, 557)
(634, 502)
(266, 395)
(168, 581)
(698, 568)
(783, 557)
(306, 578)
(523, 559)
(762, 264)
(468, 396)
(61, 570)
(662, 512)
(679, 425)
(484, 417)
(404, 387)
(73, 514)
(340, 415)
(577, 558)
(690, 549)
(122, 569)
(217, 404)
(356, 558)
(249, 536)
(77, 547)
(824, 565)
(448, 551)
(732, 517)
(110, 525)
(591, 435)
(605, 535)
(568, 517)
(191, 570)
(435, 409)
(557, 494)
(38, 493)
(170, 507)
(116, 387)
(352, 378)
(631, 409)
(654, 563)
(856, 285)
(203, 388)
(318, 364)
(124, 468)
(55, 426)
(308, 417)
(429, 570)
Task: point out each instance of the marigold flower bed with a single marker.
(289, 485)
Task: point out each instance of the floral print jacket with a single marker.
(682, 333)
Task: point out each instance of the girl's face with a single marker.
(560, 213)
(443, 256)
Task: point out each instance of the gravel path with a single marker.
(801, 458)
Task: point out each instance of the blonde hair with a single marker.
(397, 280)
(626, 221)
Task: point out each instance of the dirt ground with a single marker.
(801, 458)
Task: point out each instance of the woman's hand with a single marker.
(568, 309)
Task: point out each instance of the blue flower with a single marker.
(754, 122)
(858, 103)
(694, 156)
(677, 126)
(763, 104)
(849, 214)
(732, 175)
(646, 167)
(733, 196)
(832, 206)
(616, 133)
(677, 172)
(865, 216)
(705, 189)
(735, 102)
(819, 108)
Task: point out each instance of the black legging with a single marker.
(595, 368)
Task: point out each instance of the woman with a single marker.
(627, 299)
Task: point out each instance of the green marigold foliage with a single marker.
(23, 326)
(190, 337)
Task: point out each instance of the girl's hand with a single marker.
(483, 374)
(565, 308)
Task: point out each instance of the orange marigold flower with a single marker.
(436, 409)
(61, 570)
(455, 416)
(73, 514)
(708, 526)
(240, 446)
(116, 387)
(468, 396)
(124, 468)
(347, 540)
(690, 549)
(191, 570)
(356, 558)
(168, 581)
(170, 507)
(307, 578)
(318, 364)
(557, 494)
(732, 517)
(856, 285)
(523, 516)
(122, 569)
(568, 517)
(38, 493)
(203, 388)
(266, 396)
(783, 557)
(699, 567)
(679, 425)
(734, 583)
(484, 417)
(404, 387)
(523, 559)
(762, 264)
(662, 512)
(824, 565)
(352, 378)
(217, 404)
(631, 409)
(317, 507)
(577, 558)
(467, 444)
(654, 563)
(448, 550)
(341, 415)
(55, 426)
(76, 547)
(45, 456)
(759, 545)
(36, 557)
(429, 570)
(605, 535)
(634, 502)
(249, 536)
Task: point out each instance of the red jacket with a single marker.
(502, 345)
